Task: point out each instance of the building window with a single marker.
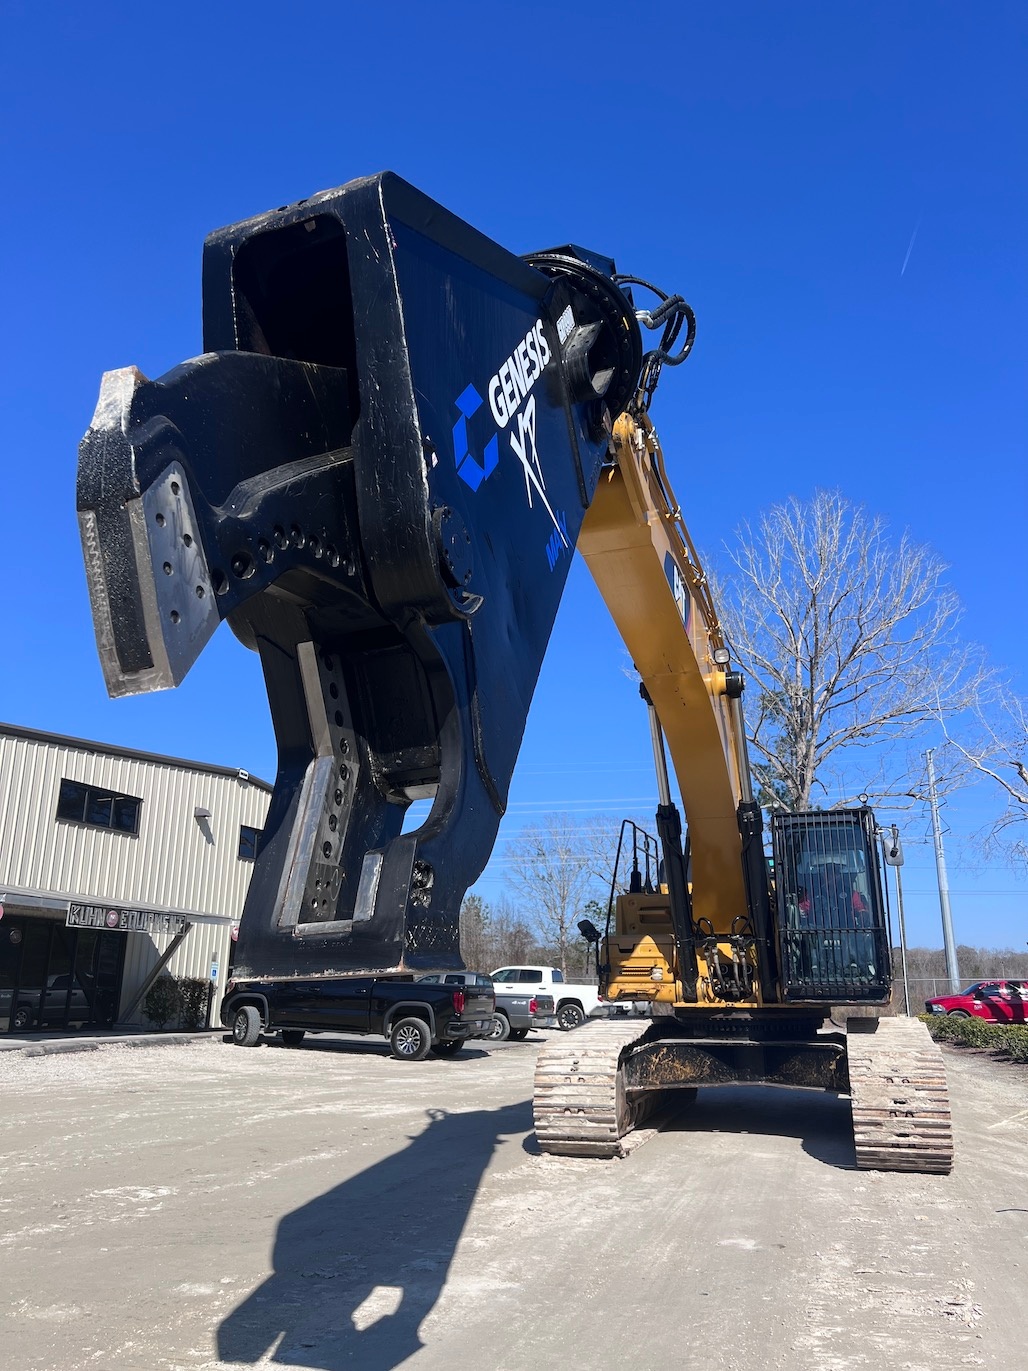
(86, 804)
(249, 842)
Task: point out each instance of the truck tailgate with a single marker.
(479, 1002)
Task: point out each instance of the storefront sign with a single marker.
(125, 920)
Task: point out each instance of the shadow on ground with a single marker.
(359, 1268)
(354, 1046)
(820, 1121)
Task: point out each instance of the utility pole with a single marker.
(952, 970)
(893, 850)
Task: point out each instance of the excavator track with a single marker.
(900, 1103)
(580, 1105)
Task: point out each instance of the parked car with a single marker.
(417, 1018)
(456, 978)
(573, 999)
(517, 1008)
(24, 1011)
(994, 1001)
(57, 1004)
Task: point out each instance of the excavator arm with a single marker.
(376, 473)
(639, 552)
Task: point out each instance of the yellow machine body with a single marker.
(641, 558)
(643, 960)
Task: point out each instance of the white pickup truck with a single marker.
(574, 1000)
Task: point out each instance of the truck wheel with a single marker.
(246, 1026)
(517, 1034)
(570, 1016)
(499, 1029)
(449, 1048)
(293, 1037)
(22, 1018)
(410, 1040)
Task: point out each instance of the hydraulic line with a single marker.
(669, 831)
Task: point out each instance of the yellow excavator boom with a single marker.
(643, 562)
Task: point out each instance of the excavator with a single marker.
(377, 472)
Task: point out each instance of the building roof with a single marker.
(113, 750)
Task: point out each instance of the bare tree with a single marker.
(474, 932)
(927, 972)
(493, 935)
(996, 747)
(849, 638)
(551, 866)
(512, 939)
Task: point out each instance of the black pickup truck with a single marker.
(416, 1018)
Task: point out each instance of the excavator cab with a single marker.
(832, 930)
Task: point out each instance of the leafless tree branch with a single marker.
(848, 635)
(995, 747)
(552, 867)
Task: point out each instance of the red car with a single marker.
(995, 1001)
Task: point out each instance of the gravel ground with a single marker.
(205, 1207)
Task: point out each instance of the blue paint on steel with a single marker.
(469, 402)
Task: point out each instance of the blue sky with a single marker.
(770, 161)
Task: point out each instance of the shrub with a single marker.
(162, 1001)
(1015, 1044)
(194, 995)
(943, 1028)
(978, 1033)
(1011, 1040)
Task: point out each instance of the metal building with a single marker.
(114, 866)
